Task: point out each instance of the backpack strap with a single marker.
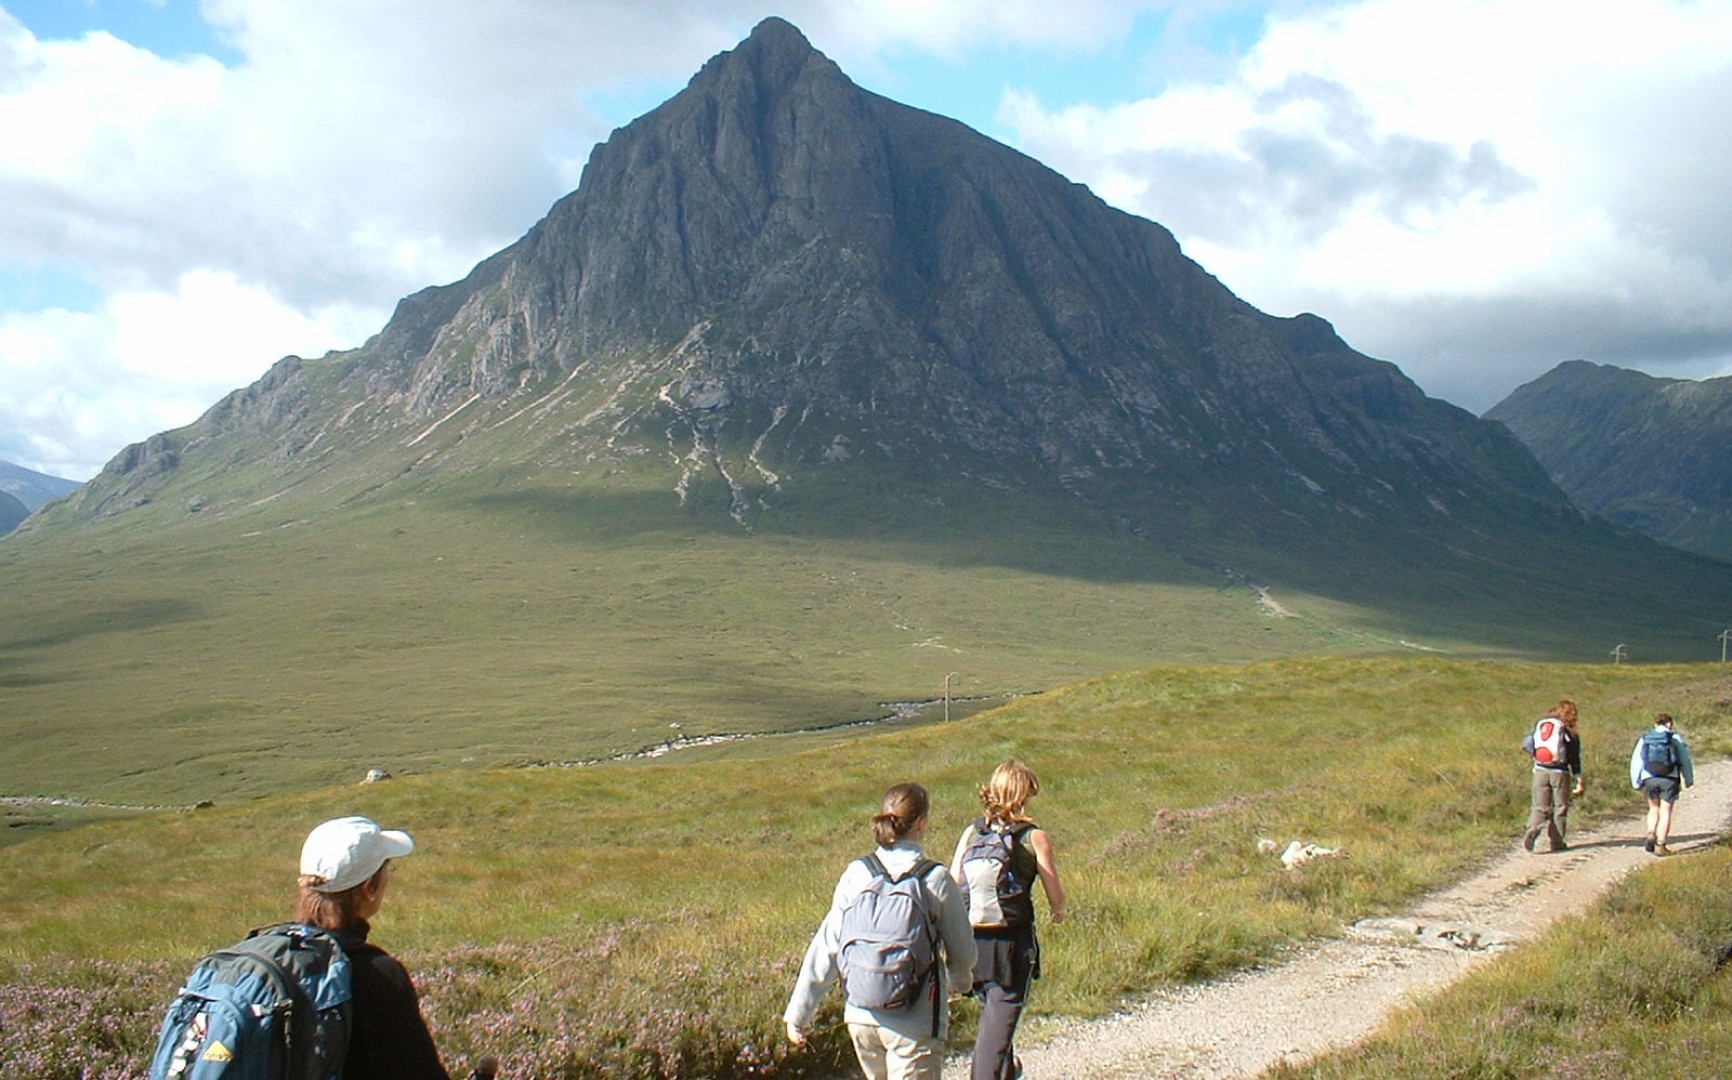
(922, 868)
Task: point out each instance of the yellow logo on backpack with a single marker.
(216, 1051)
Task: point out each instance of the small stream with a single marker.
(898, 712)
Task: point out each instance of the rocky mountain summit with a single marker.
(1651, 453)
(783, 299)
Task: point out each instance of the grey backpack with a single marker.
(889, 938)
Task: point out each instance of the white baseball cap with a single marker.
(347, 851)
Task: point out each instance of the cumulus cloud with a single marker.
(954, 27)
(358, 152)
(1476, 190)
(145, 362)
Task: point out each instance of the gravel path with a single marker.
(1333, 993)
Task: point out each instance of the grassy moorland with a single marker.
(294, 646)
(644, 918)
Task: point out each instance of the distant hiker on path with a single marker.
(997, 861)
(1657, 765)
(1556, 747)
(897, 936)
(345, 866)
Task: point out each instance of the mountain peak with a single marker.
(777, 286)
(776, 35)
(772, 59)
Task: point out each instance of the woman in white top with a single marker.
(1007, 951)
(892, 1043)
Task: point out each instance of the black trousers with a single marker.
(1005, 963)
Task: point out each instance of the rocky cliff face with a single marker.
(776, 270)
(1654, 454)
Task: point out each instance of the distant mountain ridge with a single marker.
(1648, 452)
(23, 490)
(12, 512)
(33, 488)
(780, 302)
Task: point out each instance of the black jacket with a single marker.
(389, 1039)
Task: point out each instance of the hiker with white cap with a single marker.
(345, 867)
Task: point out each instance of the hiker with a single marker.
(345, 867)
(1660, 761)
(897, 1013)
(997, 860)
(1556, 747)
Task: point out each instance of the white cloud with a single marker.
(1423, 171)
(79, 385)
(228, 215)
(952, 27)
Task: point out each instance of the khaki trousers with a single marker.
(885, 1055)
(1551, 810)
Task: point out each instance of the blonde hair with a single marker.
(904, 805)
(1012, 785)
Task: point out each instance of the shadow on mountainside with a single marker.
(1528, 592)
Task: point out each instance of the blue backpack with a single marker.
(1659, 756)
(273, 1007)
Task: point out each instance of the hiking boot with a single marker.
(1530, 838)
(1649, 846)
(1560, 846)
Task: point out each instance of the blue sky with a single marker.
(1473, 189)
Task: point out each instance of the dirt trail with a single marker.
(1331, 994)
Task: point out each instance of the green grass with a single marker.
(1637, 987)
(548, 911)
(236, 657)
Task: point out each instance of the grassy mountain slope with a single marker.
(630, 916)
(462, 623)
(1653, 454)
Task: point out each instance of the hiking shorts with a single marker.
(1664, 788)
